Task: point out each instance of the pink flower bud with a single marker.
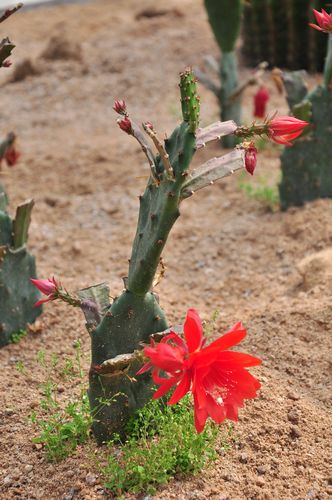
(260, 100)
(324, 21)
(7, 63)
(125, 125)
(12, 156)
(47, 287)
(284, 129)
(250, 159)
(148, 125)
(120, 107)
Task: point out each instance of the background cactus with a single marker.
(306, 169)
(17, 266)
(278, 32)
(225, 20)
(119, 330)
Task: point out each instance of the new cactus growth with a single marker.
(306, 169)
(278, 32)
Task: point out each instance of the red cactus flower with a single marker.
(260, 100)
(125, 124)
(324, 21)
(250, 158)
(284, 129)
(12, 156)
(47, 287)
(216, 377)
(120, 107)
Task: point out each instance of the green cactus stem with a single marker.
(17, 266)
(225, 20)
(328, 64)
(120, 329)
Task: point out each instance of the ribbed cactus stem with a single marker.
(189, 99)
(328, 64)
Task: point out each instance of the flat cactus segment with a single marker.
(21, 224)
(213, 170)
(213, 132)
(17, 294)
(295, 86)
(5, 229)
(306, 167)
(225, 21)
(189, 99)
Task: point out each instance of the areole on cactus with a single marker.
(120, 330)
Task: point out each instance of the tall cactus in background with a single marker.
(17, 266)
(225, 20)
(306, 168)
(277, 31)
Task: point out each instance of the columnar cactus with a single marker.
(306, 168)
(278, 32)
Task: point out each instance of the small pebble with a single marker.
(261, 470)
(90, 479)
(295, 432)
(293, 395)
(28, 468)
(243, 458)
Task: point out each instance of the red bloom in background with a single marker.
(284, 129)
(324, 21)
(48, 287)
(12, 156)
(216, 377)
(260, 100)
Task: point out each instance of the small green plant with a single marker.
(17, 336)
(162, 442)
(19, 365)
(268, 195)
(61, 428)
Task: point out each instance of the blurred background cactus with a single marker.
(278, 32)
(17, 266)
(119, 330)
(225, 20)
(306, 167)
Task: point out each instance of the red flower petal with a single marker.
(181, 390)
(165, 387)
(193, 330)
(230, 339)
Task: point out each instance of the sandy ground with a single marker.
(226, 252)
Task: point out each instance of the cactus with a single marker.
(278, 32)
(225, 19)
(306, 170)
(119, 330)
(17, 266)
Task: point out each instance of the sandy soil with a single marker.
(229, 252)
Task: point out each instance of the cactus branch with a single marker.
(136, 132)
(148, 128)
(251, 80)
(328, 64)
(9, 12)
(214, 132)
(213, 170)
(207, 82)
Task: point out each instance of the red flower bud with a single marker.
(11, 156)
(324, 21)
(125, 124)
(7, 63)
(250, 159)
(260, 100)
(47, 287)
(284, 129)
(120, 107)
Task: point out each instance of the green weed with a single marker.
(261, 191)
(17, 336)
(162, 442)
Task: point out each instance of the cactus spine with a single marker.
(277, 31)
(119, 330)
(225, 20)
(306, 169)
